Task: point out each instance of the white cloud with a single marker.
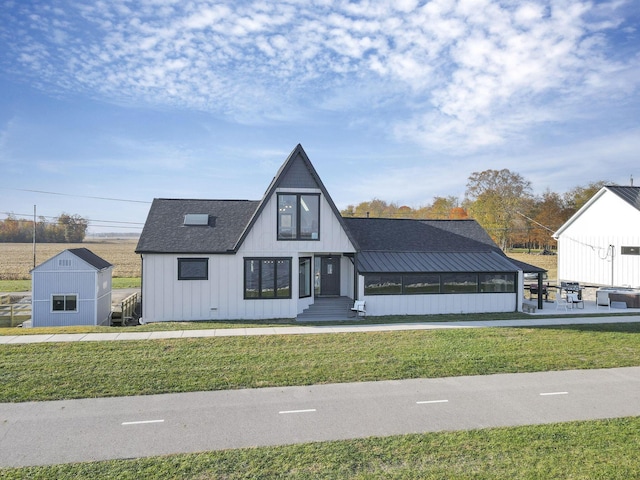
(465, 70)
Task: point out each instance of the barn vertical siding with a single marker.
(585, 247)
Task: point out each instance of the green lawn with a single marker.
(605, 449)
(52, 371)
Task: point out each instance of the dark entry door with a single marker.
(330, 276)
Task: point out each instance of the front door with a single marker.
(329, 275)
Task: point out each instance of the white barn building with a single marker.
(600, 244)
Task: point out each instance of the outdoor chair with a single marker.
(573, 299)
(359, 308)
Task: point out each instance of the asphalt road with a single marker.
(98, 429)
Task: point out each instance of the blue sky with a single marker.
(399, 100)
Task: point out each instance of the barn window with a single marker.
(193, 268)
(64, 303)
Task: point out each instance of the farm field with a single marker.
(16, 259)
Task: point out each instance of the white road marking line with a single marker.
(142, 422)
(553, 393)
(432, 401)
(309, 410)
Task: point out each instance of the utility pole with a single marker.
(34, 236)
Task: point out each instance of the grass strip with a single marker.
(52, 371)
(576, 450)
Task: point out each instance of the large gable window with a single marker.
(267, 278)
(298, 216)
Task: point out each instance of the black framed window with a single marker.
(266, 278)
(383, 284)
(497, 283)
(417, 284)
(298, 216)
(434, 283)
(64, 303)
(193, 269)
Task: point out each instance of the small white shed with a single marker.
(71, 288)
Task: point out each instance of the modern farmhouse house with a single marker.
(600, 243)
(291, 251)
(71, 288)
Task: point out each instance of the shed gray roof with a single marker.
(91, 258)
(165, 232)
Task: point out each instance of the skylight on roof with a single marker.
(196, 219)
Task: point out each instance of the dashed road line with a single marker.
(308, 410)
(548, 394)
(142, 422)
(424, 402)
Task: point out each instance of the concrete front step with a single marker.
(327, 308)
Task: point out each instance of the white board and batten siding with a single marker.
(66, 274)
(587, 245)
(222, 295)
(439, 304)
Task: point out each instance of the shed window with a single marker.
(193, 268)
(64, 303)
(630, 250)
(383, 284)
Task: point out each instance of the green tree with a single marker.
(576, 197)
(494, 198)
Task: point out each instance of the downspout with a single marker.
(141, 285)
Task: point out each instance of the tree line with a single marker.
(63, 229)
(502, 202)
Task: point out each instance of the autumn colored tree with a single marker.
(494, 199)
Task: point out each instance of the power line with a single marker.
(76, 196)
(114, 222)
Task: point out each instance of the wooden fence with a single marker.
(13, 314)
(126, 312)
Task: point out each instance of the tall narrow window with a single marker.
(304, 282)
(298, 216)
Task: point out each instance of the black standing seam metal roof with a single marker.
(629, 194)
(91, 258)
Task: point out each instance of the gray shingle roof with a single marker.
(165, 232)
(393, 245)
(91, 258)
(394, 235)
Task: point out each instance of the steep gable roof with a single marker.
(296, 172)
(631, 195)
(165, 231)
